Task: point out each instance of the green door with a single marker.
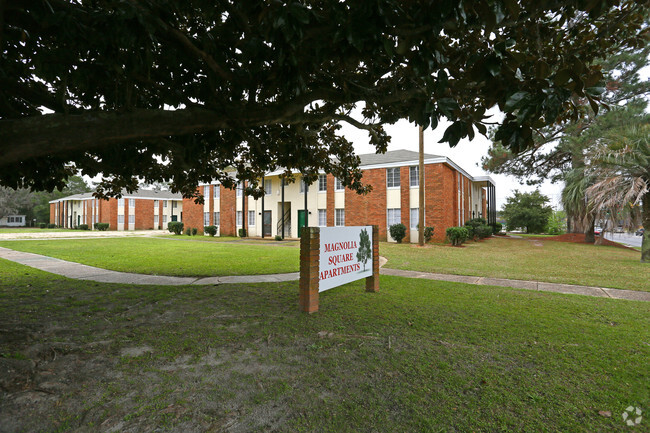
(301, 221)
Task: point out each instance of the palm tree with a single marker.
(621, 191)
(580, 215)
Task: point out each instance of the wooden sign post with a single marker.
(332, 256)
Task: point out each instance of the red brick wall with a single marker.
(192, 213)
(330, 201)
(143, 214)
(405, 201)
(52, 213)
(371, 208)
(227, 212)
(440, 198)
(127, 212)
(111, 210)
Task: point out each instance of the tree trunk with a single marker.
(590, 238)
(645, 217)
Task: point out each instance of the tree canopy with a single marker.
(527, 210)
(184, 91)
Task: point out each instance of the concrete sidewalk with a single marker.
(83, 272)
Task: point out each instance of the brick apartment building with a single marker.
(141, 210)
(452, 196)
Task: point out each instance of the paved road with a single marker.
(628, 239)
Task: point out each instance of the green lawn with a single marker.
(419, 356)
(527, 259)
(176, 257)
(30, 230)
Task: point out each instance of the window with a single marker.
(414, 176)
(131, 203)
(10, 219)
(239, 218)
(268, 187)
(392, 177)
(322, 217)
(216, 219)
(164, 219)
(155, 204)
(120, 219)
(240, 189)
(394, 216)
(322, 183)
(206, 191)
(206, 219)
(120, 202)
(339, 217)
(164, 203)
(415, 215)
(217, 191)
(131, 219)
(303, 185)
(251, 217)
(174, 204)
(338, 186)
(155, 220)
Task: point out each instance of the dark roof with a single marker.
(393, 156)
(142, 193)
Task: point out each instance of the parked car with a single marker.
(598, 230)
(640, 232)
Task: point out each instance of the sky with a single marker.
(467, 154)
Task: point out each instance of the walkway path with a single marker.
(90, 273)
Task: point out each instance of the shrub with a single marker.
(210, 230)
(483, 231)
(457, 235)
(42, 225)
(242, 233)
(51, 226)
(188, 231)
(397, 232)
(194, 231)
(472, 225)
(84, 227)
(428, 233)
(496, 228)
(278, 237)
(175, 227)
(102, 227)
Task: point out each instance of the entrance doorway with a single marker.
(266, 223)
(301, 221)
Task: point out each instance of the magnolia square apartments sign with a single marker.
(345, 255)
(333, 256)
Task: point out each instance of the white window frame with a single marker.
(206, 219)
(251, 218)
(217, 219)
(239, 219)
(268, 186)
(217, 191)
(338, 185)
(322, 183)
(131, 203)
(155, 220)
(339, 217)
(120, 219)
(414, 182)
(164, 219)
(240, 189)
(164, 203)
(414, 217)
(131, 219)
(322, 217)
(206, 191)
(393, 216)
(120, 202)
(155, 204)
(392, 181)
